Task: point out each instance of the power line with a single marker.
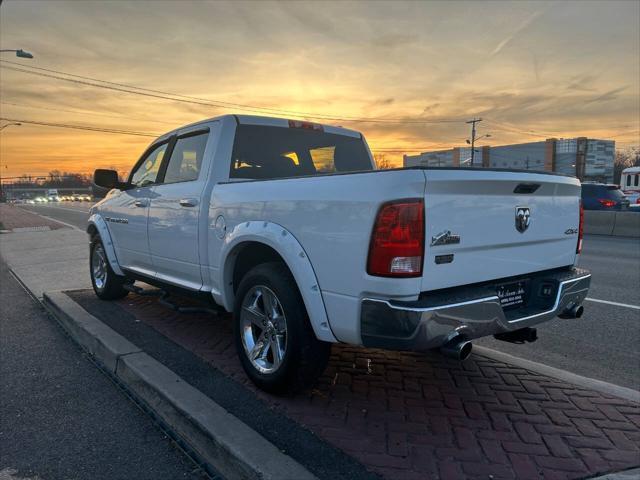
(145, 134)
(81, 112)
(411, 149)
(81, 127)
(508, 128)
(125, 88)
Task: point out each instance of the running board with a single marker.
(142, 292)
(164, 300)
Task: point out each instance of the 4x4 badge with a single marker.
(523, 218)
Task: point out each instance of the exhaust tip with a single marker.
(465, 350)
(575, 311)
(457, 348)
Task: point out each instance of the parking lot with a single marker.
(376, 413)
(602, 344)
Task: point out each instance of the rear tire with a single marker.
(274, 339)
(106, 284)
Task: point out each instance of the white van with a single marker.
(52, 195)
(630, 185)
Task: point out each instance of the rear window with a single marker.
(602, 191)
(263, 152)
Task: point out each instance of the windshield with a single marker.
(263, 152)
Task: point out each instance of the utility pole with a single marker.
(473, 136)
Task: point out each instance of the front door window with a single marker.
(147, 171)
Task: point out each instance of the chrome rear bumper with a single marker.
(471, 312)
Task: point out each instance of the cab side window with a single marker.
(147, 171)
(186, 159)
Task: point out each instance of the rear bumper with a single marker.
(471, 311)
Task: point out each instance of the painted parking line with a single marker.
(617, 304)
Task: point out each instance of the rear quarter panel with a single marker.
(332, 218)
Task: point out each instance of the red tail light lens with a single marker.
(638, 201)
(605, 202)
(580, 229)
(397, 241)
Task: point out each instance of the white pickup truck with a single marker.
(289, 225)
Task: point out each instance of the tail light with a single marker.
(397, 241)
(605, 202)
(638, 201)
(580, 229)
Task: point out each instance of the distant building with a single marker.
(586, 158)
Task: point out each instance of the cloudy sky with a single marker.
(531, 70)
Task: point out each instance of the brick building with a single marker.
(588, 159)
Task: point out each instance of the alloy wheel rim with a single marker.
(263, 327)
(99, 267)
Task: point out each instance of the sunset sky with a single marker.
(531, 70)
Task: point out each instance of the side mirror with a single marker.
(106, 179)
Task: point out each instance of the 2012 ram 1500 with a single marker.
(289, 225)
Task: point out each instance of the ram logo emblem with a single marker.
(523, 218)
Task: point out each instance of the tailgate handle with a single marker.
(526, 188)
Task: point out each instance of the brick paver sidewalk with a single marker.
(421, 416)
(12, 216)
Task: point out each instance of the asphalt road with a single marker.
(60, 417)
(603, 344)
(73, 213)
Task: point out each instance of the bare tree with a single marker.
(381, 162)
(626, 158)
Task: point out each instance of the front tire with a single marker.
(274, 339)
(106, 284)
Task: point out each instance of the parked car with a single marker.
(288, 225)
(602, 196)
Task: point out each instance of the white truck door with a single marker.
(127, 214)
(174, 212)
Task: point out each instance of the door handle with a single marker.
(140, 203)
(188, 202)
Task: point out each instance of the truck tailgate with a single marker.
(480, 207)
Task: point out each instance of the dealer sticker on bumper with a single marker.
(512, 294)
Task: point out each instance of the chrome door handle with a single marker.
(140, 203)
(188, 202)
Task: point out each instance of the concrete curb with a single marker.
(632, 474)
(219, 438)
(578, 380)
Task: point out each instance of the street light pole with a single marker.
(19, 53)
(17, 124)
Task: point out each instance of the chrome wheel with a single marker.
(263, 328)
(99, 266)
